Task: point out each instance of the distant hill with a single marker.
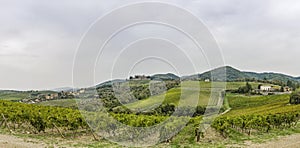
(271, 76)
(65, 89)
(109, 83)
(168, 76)
(298, 78)
(230, 75)
(233, 74)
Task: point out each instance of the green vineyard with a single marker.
(263, 123)
(36, 118)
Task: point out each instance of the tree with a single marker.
(281, 89)
(291, 84)
(248, 87)
(295, 98)
(245, 89)
(259, 86)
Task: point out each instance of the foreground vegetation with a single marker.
(253, 115)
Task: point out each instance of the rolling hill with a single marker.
(168, 76)
(233, 74)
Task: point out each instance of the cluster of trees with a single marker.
(250, 123)
(165, 110)
(140, 77)
(244, 89)
(295, 98)
(292, 85)
(138, 90)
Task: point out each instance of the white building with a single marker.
(206, 80)
(265, 88)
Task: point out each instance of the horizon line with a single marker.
(52, 89)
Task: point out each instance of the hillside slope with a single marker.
(233, 74)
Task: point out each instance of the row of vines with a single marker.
(36, 119)
(252, 123)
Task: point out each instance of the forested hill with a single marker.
(233, 74)
(227, 73)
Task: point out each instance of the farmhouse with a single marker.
(266, 88)
(206, 80)
(287, 89)
(48, 97)
(81, 91)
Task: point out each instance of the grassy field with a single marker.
(12, 95)
(245, 105)
(188, 96)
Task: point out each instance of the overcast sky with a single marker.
(39, 39)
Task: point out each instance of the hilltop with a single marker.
(227, 73)
(233, 74)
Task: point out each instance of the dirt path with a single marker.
(10, 141)
(292, 141)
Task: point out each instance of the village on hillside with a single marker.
(36, 97)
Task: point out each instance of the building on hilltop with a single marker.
(140, 77)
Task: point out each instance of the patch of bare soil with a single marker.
(292, 141)
(10, 141)
(212, 136)
(46, 140)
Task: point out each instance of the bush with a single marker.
(245, 89)
(295, 98)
